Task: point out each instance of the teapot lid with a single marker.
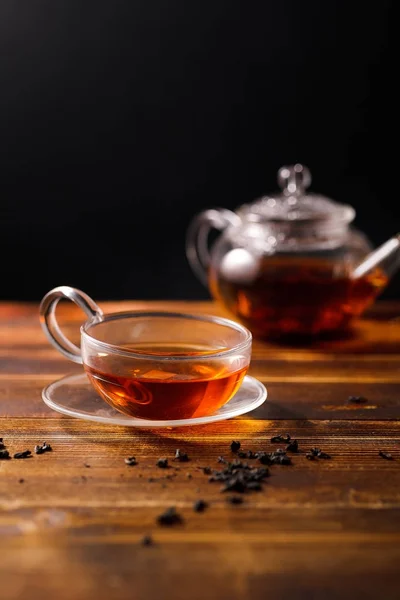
(294, 203)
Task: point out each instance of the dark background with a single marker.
(119, 120)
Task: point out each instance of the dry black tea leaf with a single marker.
(162, 463)
(181, 456)
(43, 448)
(279, 452)
(281, 439)
(237, 476)
(323, 455)
(238, 464)
(310, 456)
(278, 457)
(317, 453)
(242, 454)
(235, 499)
(250, 454)
(385, 455)
(206, 470)
(253, 486)
(131, 461)
(235, 484)
(264, 458)
(221, 459)
(357, 399)
(293, 446)
(169, 517)
(200, 506)
(4, 454)
(259, 474)
(235, 446)
(24, 454)
(283, 460)
(189, 475)
(147, 540)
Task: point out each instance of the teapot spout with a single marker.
(386, 256)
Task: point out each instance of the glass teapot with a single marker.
(290, 264)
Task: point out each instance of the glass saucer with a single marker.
(74, 396)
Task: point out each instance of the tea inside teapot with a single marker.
(289, 295)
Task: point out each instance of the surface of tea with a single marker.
(296, 296)
(168, 390)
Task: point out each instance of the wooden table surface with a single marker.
(319, 529)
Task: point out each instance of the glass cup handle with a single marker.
(197, 251)
(49, 322)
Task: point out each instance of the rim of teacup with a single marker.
(115, 349)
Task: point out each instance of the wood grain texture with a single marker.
(319, 529)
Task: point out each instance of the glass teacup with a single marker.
(154, 365)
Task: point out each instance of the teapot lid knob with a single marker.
(294, 179)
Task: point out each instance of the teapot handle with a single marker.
(197, 251)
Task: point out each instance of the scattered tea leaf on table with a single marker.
(24, 454)
(169, 517)
(235, 446)
(385, 455)
(357, 399)
(181, 456)
(200, 506)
